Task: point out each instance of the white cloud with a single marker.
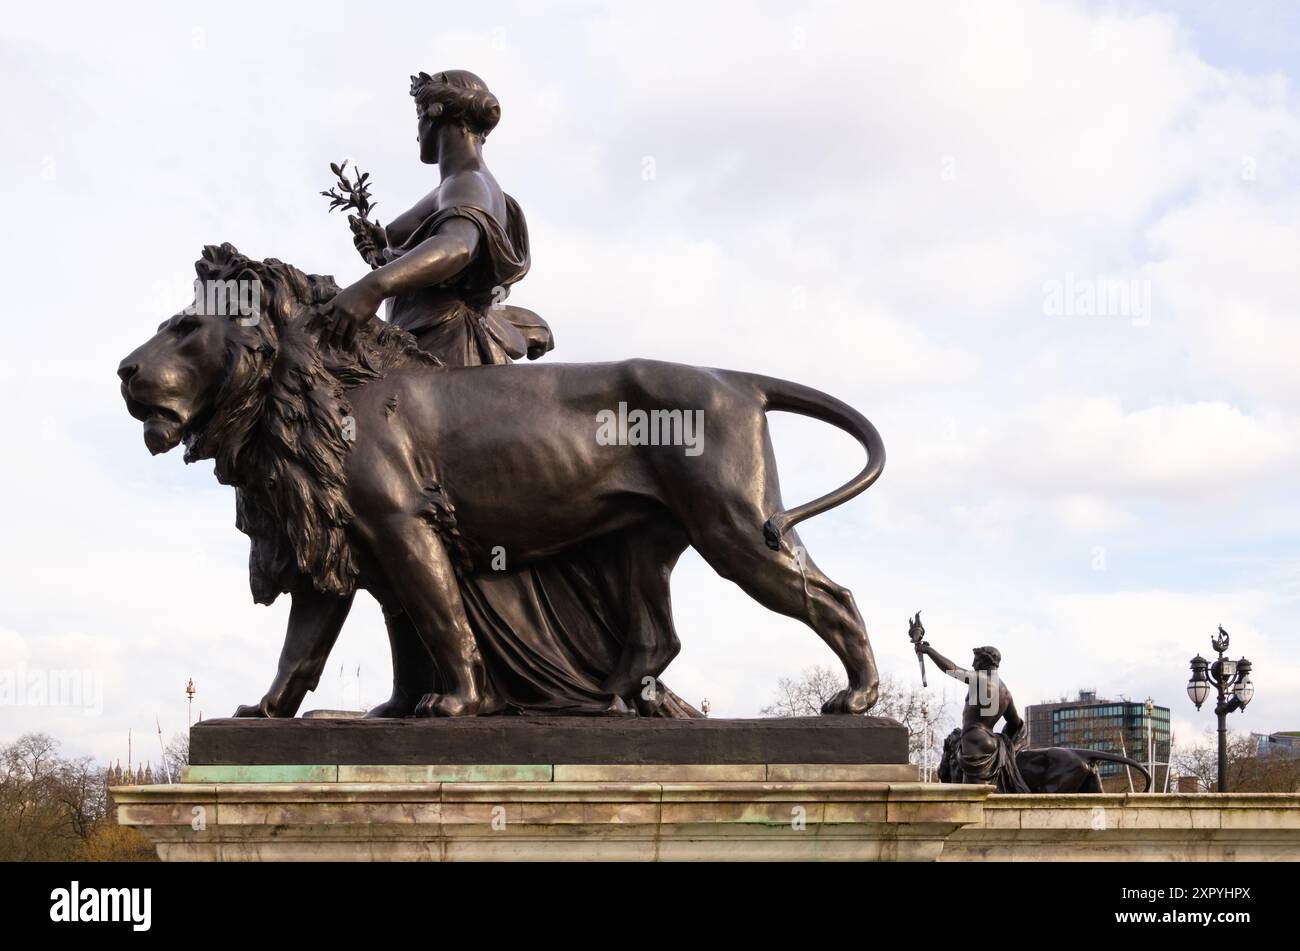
(1227, 269)
(1090, 516)
(1194, 450)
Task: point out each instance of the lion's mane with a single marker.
(277, 428)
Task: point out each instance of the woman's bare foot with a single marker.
(465, 704)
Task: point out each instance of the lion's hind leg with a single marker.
(788, 582)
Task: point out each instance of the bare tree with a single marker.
(803, 696)
(177, 754)
(28, 815)
(1247, 770)
(53, 808)
(79, 789)
(1276, 772)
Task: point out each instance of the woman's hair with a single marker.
(459, 96)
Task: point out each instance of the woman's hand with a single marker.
(349, 310)
(369, 238)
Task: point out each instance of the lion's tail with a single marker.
(1094, 755)
(785, 396)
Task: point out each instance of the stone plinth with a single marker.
(559, 788)
(670, 813)
(1200, 827)
(584, 812)
(546, 740)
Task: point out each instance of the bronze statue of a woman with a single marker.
(447, 263)
(547, 631)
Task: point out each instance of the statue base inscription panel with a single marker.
(522, 741)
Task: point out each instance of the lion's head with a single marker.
(949, 763)
(240, 376)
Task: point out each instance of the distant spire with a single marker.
(148, 774)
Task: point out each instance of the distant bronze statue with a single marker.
(983, 755)
(518, 523)
(974, 753)
(1051, 769)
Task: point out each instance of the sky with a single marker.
(1048, 248)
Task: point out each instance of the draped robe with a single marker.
(549, 632)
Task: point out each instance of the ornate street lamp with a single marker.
(1198, 688)
(1231, 678)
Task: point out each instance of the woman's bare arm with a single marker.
(433, 261)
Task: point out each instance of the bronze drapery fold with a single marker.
(548, 632)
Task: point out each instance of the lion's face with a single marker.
(170, 383)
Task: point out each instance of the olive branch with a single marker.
(354, 194)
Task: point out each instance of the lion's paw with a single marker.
(851, 700)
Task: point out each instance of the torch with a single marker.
(917, 635)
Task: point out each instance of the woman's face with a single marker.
(427, 136)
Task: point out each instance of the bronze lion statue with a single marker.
(380, 469)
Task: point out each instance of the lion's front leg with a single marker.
(419, 571)
(314, 624)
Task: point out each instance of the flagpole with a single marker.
(163, 750)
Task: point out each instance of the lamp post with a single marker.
(1231, 678)
(1151, 750)
(926, 775)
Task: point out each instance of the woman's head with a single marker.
(987, 658)
(455, 98)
